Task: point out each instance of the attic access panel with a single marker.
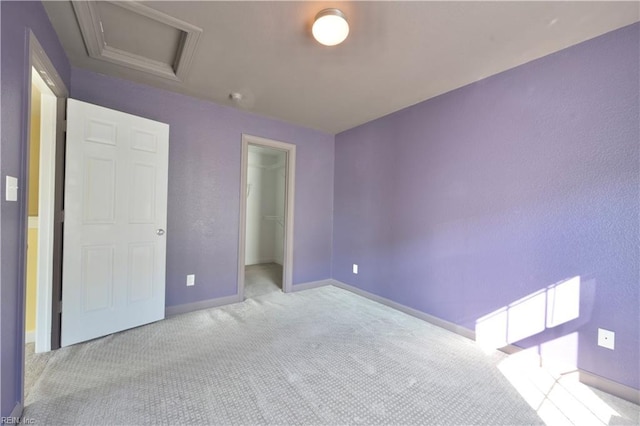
(137, 36)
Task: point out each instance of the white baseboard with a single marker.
(609, 386)
(311, 284)
(614, 388)
(170, 311)
(407, 310)
(30, 336)
(16, 413)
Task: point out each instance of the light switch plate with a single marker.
(191, 280)
(355, 269)
(606, 338)
(11, 190)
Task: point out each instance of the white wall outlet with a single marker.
(11, 190)
(606, 338)
(355, 268)
(191, 280)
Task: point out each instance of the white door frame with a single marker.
(40, 62)
(54, 92)
(46, 194)
(290, 181)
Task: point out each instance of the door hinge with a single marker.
(59, 307)
(62, 216)
(64, 126)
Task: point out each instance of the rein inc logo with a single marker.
(17, 421)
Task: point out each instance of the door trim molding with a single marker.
(287, 267)
(46, 213)
(53, 89)
(39, 61)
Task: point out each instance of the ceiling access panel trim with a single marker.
(92, 31)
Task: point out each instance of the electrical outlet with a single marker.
(191, 280)
(355, 268)
(606, 338)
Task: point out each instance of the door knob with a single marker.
(159, 231)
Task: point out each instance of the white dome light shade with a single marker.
(330, 27)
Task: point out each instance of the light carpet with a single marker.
(34, 366)
(262, 279)
(321, 356)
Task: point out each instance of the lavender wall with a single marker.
(17, 19)
(472, 200)
(204, 184)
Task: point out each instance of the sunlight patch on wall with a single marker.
(563, 302)
(491, 330)
(560, 355)
(546, 308)
(526, 316)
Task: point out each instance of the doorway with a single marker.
(40, 208)
(32, 208)
(43, 161)
(266, 222)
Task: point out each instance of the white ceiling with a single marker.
(397, 53)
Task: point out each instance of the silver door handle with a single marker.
(160, 232)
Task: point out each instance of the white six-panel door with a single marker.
(115, 221)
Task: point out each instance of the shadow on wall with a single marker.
(546, 374)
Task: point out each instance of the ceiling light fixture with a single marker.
(330, 27)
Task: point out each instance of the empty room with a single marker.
(320, 213)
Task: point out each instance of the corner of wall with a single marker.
(333, 207)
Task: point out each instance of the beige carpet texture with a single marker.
(317, 357)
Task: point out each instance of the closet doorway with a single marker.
(266, 217)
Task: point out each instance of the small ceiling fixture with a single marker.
(330, 27)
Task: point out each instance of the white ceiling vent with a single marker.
(136, 36)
